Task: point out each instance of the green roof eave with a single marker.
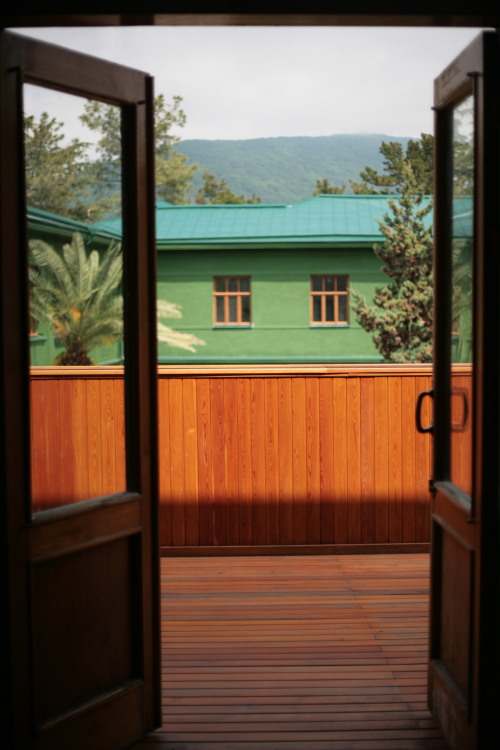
(47, 221)
(208, 243)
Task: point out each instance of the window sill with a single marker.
(329, 325)
(232, 326)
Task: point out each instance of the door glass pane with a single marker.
(462, 297)
(73, 196)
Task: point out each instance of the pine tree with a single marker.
(216, 191)
(400, 318)
(419, 156)
(323, 187)
(57, 177)
(173, 172)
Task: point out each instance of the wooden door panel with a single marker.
(84, 576)
(97, 625)
(452, 646)
(465, 486)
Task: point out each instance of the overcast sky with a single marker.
(249, 82)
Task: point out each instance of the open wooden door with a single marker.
(81, 656)
(463, 677)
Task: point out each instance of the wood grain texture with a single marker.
(278, 457)
(309, 653)
(77, 439)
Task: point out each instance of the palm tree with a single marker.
(76, 296)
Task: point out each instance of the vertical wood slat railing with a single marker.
(264, 456)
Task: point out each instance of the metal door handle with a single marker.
(418, 411)
(463, 392)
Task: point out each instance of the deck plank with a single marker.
(316, 653)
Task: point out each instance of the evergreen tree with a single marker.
(419, 156)
(401, 316)
(323, 187)
(173, 175)
(218, 191)
(56, 171)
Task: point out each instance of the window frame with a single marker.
(335, 294)
(227, 295)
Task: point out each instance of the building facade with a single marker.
(256, 283)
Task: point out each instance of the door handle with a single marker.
(418, 411)
(462, 392)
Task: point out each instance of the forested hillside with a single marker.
(284, 170)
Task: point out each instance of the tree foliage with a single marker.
(401, 316)
(323, 187)
(174, 174)
(218, 191)
(82, 180)
(56, 172)
(76, 296)
(419, 155)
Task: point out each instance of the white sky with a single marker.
(249, 82)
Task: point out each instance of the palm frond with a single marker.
(76, 296)
(177, 339)
(167, 309)
(45, 257)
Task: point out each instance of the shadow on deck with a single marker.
(302, 653)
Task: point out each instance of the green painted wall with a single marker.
(280, 295)
(280, 287)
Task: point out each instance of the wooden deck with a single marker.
(299, 653)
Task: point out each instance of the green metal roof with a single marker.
(324, 219)
(349, 219)
(54, 223)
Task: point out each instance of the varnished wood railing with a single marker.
(275, 455)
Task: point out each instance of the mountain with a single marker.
(284, 170)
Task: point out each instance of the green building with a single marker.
(256, 282)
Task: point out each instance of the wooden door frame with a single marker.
(354, 14)
(475, 523)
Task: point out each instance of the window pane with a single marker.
(245, 309)
(342, 306)
(220, 285)
(329, 283)
(219, 302)
(232, 285)
(329, 308)
(77, 424)
(317, 309)
(342, 283)
(317, 283)
(233, 315)
(245, 285)
(462, 331)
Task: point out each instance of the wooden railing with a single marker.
(254, 456)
